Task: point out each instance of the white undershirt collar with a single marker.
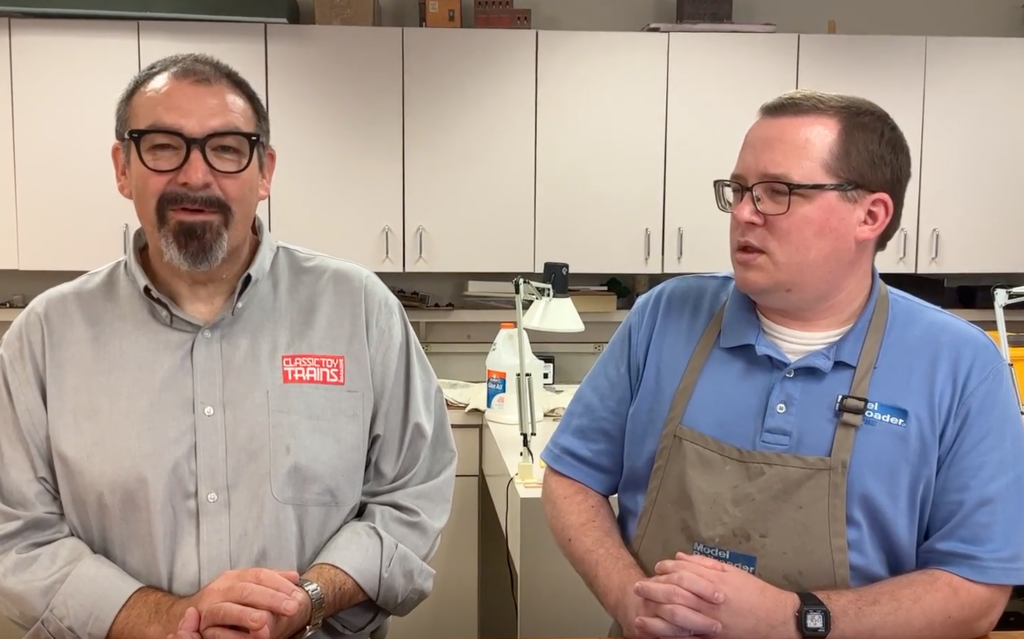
(795, 344)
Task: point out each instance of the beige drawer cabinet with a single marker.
(451, 610)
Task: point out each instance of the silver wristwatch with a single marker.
(316, 614)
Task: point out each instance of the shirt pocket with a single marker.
(317, 446)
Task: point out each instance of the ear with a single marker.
(267, 173)
(117, 155)
(876, 212)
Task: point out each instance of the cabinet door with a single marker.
(451, 609)
(241, 45)
(8, 210)
(67, 76)
(971, 159)
(717, 82)
(336, 111)
(889, 70)
(469, 150)
(601, 150)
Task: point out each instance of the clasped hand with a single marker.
(698, 596)
(256, 603)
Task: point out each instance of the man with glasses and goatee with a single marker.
(798, 449)
(217, 434)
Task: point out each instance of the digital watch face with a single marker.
(815, 622)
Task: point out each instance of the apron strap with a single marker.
(675, 415)
(842, 445)
(846, 429)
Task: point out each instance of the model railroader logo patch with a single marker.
(313, 369)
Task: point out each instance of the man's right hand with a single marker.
(244, 603)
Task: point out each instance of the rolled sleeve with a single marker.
(410, 478)
(975, 527)
(51, 583)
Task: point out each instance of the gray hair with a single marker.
(197, 68)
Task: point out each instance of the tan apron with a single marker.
(780, 516)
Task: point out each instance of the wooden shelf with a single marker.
(8, 314)
(487, 316)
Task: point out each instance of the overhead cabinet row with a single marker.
(494, 151)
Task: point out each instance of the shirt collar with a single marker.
(259, 267)
(740, 327)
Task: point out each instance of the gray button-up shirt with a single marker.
(139, 447)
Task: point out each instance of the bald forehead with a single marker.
(794, 148)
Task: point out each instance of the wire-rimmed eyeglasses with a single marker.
(770, 197)
(164, 150)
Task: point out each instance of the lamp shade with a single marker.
(553, 315)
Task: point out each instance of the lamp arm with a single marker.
(524, 382)
(1001, 298)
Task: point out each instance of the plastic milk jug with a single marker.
(502, 366)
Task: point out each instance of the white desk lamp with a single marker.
(552, 311)
(1003, 297)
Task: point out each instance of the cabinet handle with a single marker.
(679, 243)
(935, 244)
(903, 243)
(387, 242)
(419, 233)
(124, 239)
(647, 244)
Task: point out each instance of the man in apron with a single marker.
(798, 450)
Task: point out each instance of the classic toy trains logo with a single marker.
(882, 414)
(747, 563)
(313, 369)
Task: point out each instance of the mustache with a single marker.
(183, 199)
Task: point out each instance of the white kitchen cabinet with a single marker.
(451, 609)
(8, 202)
(601, 150)
(717, 82)
(889, 70)
(470, 98)
(240, 45)
(336, 117)
(67, 76)
(970, 219)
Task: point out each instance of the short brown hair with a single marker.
(871, 150)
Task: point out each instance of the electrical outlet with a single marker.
(598, 348)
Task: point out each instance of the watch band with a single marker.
(810, 599)
(317, 606)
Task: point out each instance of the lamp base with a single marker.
(526, 476)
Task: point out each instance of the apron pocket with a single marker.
(317, 445)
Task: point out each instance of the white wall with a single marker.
(883, 17)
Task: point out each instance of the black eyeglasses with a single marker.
(164, 151)
(770, 197)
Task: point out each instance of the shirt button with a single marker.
(207, 333)
(239, 305)
(212, 498)
(780, 408)
(789, 373)
(208, 411)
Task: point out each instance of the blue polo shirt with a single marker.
(937, 473)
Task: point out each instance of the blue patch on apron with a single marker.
(731, 557)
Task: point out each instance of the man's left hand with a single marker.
(750, 607)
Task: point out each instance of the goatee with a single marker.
(193, 245)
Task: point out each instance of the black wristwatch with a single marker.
(812, 618)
